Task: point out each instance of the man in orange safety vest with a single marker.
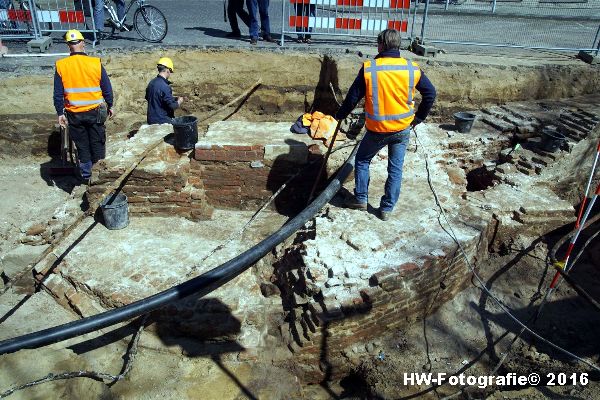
(83, 99)
(388, 85)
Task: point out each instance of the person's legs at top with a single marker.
(120, 8)
(265, 24)
(368, 148)
(311, 13)
(397, 144)
(235, 8)
(99, 15)
(253, 11)
(243, 14)
(232, 6)
(300, 12)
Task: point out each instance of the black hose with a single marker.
(200, 285)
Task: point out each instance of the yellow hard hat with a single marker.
(167, 62)
(73, 36)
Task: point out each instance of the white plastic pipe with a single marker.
(35, 55)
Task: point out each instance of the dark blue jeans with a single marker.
(99, 12)
(305, 10)
(397, 142)
(261, 7)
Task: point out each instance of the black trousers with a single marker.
(236, 8)
(88, 134)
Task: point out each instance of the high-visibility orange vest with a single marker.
(81, 76)
(389, 99)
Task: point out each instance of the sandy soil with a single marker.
(468, 334)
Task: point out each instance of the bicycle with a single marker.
(148, 21)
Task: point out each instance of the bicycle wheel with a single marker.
(150, 23)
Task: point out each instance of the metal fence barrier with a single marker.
(351, 18)
(18, 22)
(533, 24)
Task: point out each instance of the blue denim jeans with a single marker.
(261, 7)
(397, 143)
(99, 12)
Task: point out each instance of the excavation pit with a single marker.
(318, 305)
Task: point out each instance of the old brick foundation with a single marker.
(218, 173)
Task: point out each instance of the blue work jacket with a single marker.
(161, 103)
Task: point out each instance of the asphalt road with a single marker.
(201, 23)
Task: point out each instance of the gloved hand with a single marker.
(416, 122)
(62, 120)
(111, 113)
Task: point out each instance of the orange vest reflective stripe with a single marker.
(81, 76)
(389, 104)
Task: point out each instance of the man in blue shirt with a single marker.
(161, 103)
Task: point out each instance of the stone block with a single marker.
(588, 58)
(423, 50)
(296, 152)
(17, 259)
(39, 45)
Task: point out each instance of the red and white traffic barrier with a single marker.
(59, 16)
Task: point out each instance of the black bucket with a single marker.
(463, 121)
(552, 139)
(116, 214)
(186, 132)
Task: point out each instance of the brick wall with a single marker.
(241, 177)
(190, 184)
(320, 331)
(159, 186)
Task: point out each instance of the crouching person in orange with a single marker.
(83, 99)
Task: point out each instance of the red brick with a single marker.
(144, 189)
(205, 155)
(236, 147)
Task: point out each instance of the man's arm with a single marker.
(355, 93)
(428, 93)
(106, 88)
(107, 92)
(59, 94)
(169, 100)
(59, 99)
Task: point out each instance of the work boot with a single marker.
(384, 215)
(268, 38)
(355, 204)
(253, 41)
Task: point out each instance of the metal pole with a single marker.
(493, 6)
(424, 21)
(282, 22)
(34, 20)
(596, 38)
(93, 22)
(414, 21)
(446, 5)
